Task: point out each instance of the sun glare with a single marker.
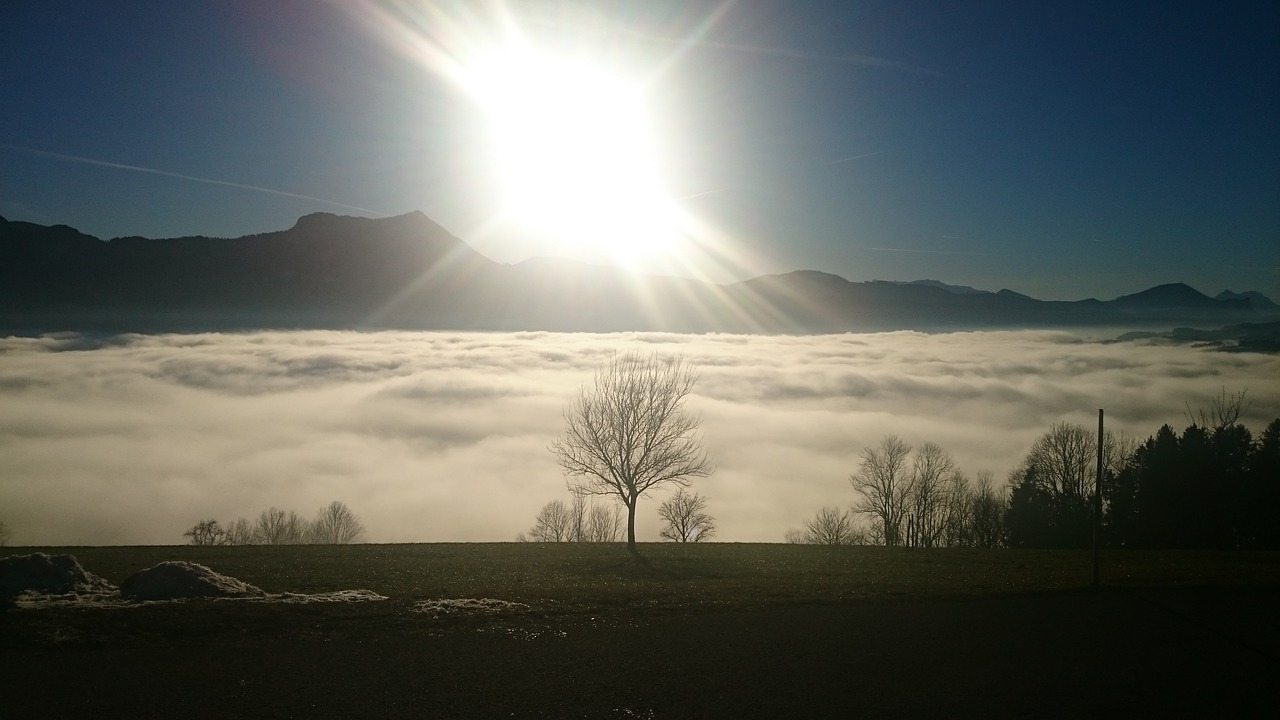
(574, 155)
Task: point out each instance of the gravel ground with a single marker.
(1107, 653)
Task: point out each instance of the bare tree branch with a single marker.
(1225, 411)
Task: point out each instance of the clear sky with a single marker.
(1063, 150)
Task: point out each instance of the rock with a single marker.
(181, 580)
(48, 575)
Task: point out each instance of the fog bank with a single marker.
(443, 436)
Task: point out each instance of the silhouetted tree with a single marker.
(629, 432)
(986, 514)
(831, 526)
(335, 524)
(241, 532)
(206, 532)
(578, 521)
(277, 527)
(1262, 494)
(604, 524)
(1211, 488)
(1149, 504)
(553, 523)
(1034, 517)
(884, 482)
(687, 519)
(1051, 501)
(929, 495)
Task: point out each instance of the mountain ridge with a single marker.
(407, 271)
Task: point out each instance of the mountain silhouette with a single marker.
(1173, 295)
(333, 271)
(1255, 298)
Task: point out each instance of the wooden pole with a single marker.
(1097, 504)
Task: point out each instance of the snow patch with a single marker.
(337, 596)
(37, 601)
(182, 580)
(43, 574)
(52, 581)
(461, 607)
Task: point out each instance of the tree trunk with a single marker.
(631, 525)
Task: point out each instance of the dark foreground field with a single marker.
(714, 631)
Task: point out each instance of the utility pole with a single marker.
(1097, 504)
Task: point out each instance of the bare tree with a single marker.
(687, 519)
(629, 432)
(831, 526)
(5, 534)
(1064, 459)
(552, 524)
(241, 532)
(954, 521)
(795, 536)
(206, 532)
(1224, 412)
(335, 524)
(604, 524)
(884, 482)
(986, 510)
(277, 527)
(931, 469)
(577, 519)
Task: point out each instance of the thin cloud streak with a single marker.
(856, 157)
(443, 436)
(180, 176)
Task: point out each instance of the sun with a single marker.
(574, 154)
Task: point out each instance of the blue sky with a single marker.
(1063, 150)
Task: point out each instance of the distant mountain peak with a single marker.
(1255, 298)
(1167, 295)
(1013, 294)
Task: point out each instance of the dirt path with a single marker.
(1189, 653)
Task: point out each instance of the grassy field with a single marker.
(698, 631)
(711, 575)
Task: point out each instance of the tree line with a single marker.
(1215, 486)
(1212, 487)
(912, 497)
(334, 524)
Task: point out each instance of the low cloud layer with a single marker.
(443, 436)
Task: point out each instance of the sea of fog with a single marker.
(443, 436)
